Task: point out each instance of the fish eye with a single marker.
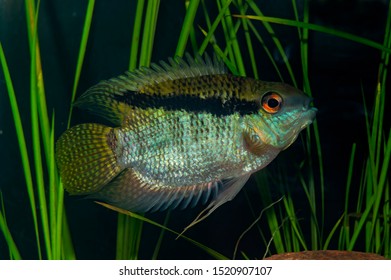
(271, 102)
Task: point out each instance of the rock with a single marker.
(326, 255)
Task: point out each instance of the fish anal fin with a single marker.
(132, 192)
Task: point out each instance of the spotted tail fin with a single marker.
(86, 159)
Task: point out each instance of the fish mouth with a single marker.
(308, 117)
(305, 119)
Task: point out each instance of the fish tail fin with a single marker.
(86, 158)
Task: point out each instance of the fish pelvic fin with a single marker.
(229, 190)
(86, 158)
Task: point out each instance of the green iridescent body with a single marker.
(191, 149)
(184, 132)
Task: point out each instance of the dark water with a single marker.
(339, 70)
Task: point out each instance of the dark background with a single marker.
(339, 71)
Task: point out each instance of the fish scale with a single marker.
(184, 132)
(186, 146)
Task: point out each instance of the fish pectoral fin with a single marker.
(229, 190)
(254, 144)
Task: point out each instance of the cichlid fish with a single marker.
(183, 132)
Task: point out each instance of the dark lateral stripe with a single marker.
(189, 103)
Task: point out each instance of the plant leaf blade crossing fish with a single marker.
(183, 132)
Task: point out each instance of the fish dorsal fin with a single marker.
(101, 100)
(174, 69)
(108, 98)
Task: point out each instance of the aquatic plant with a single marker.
(234, 30)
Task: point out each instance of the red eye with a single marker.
(271, 102)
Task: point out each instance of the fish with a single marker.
(181, 133)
